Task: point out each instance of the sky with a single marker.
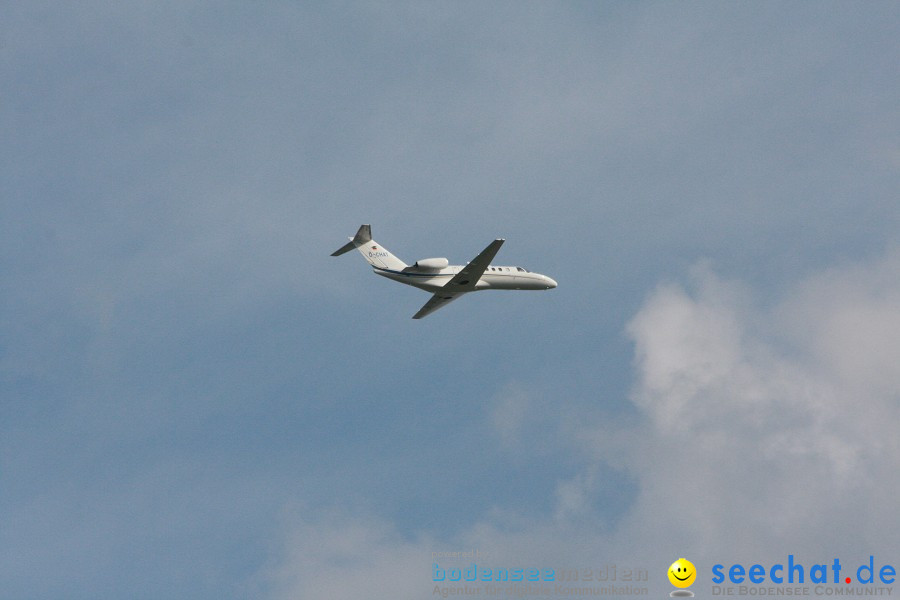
(197, 401)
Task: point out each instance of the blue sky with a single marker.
(197, 401)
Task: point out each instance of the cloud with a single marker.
(775, 423)
(349, 557)
(761, 431)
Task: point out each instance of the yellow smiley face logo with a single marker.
(682, 573)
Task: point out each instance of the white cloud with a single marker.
(762, 432)
(350, 557)
(774, 424)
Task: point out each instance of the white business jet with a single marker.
(436, 275)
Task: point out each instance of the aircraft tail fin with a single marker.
(372, 251)
(363, 235)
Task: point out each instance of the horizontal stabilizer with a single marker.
(374, 253)
(345, 248)
(363, 235)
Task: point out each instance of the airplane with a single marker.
(447, 282)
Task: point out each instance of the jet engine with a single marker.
(431, 264)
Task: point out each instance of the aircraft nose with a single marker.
(550, 283)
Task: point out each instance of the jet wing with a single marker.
(463, 282)
(437, 301)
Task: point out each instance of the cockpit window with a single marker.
(521, 269)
